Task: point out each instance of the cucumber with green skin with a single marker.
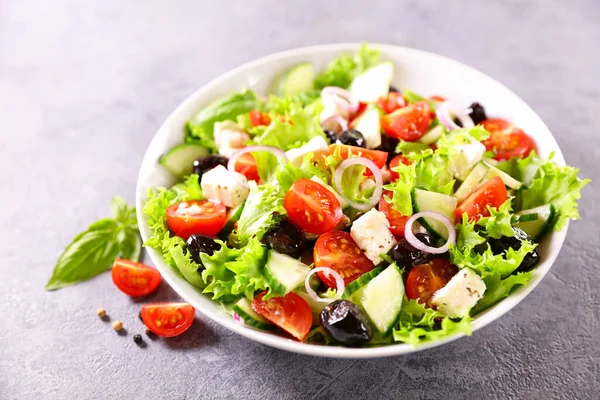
(284, 273)
(424, 200)
(372, 83)
(545, 221)
(251, 317)
(471, 181)
(507, 179)
(179, 159)
(233, 216)
(360, 282)
(298, 79)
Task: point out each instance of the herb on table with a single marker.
(94, 250)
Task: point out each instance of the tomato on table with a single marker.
(391, 102)
(506, 140)
(426, 279)
(168, 319)
(246, 165)
(394, 163)
(133, 278)
(397, 221)
(196, 216)
(377, 156)
(290, 312)
(490, 193)
(312, 207)
(408, 123)
(258, 118)
(338, 251)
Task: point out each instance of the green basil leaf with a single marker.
(91, 253)
(130, 244)
(122, 212)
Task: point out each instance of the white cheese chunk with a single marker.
(460, 294)
(465, 158)
(316, 145)
(229, 137)
(219, 184)
(333, 105)
(371, 233)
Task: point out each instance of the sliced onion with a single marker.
(334, 93)
(447, 110)
(236, 317)
(339, 284)
(339, 172)
(334, 123)
(276, 151)
(417, 244)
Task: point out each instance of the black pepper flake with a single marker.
(137, 338)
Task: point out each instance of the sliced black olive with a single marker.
(352, 137)
(408, 256)
(477, 113)
(501, 245)
(388, 144)
(285, 238)
(346, 323)
(393, 89)
(204, 164)
(197, 244)
(330, 135)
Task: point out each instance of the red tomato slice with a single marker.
(408, 123)
(133, 278)
(312, 207)
(168, 319)
(196, 216)
(496, 125)
(258, 118)
(246, 165)
(377, 156)
(437, 98)
(338, 251)
(426, 279)
(397, 220)
(391, 102)
(291, 313)
(507, 145)
(394, 163)
(490, 193)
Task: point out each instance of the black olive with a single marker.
(285, 238)
(204, 164)
(501, 245)
(457, 122)
(197, 244)
(346, 323)
(388, 144)
(477, 113)
(330, 135)
(352, 137)
(393, 89)
(408, 256)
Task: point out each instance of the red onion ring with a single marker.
(236, 317)
(333, 92)
(445, 111)
(339, 172)
(334, 123)
(417, 244)
(276, 151)
(339, 284)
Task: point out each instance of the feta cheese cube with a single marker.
(316, 145)
(229, 137)
(465, 157)
(219, 184)
(460, 294)
(371, 233)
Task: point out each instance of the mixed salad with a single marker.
(346, 212)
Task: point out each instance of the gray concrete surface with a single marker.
(85, 84)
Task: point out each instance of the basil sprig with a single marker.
(94, 250)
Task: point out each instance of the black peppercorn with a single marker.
(137, 338)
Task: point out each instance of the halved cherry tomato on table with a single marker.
(391, 102)
(490, 193)
(196, 216)
(397, 221)
(312, 207)
(408, 123)
(394, 163)
(290, 312)
(168, 319)
(377, 156)
(133, 278)
(426, 279)
(338, 251)
(506, 141)
(246, 165)
(258, 118)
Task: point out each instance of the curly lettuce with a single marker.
(342, 70)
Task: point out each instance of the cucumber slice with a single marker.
(546, 218)
(373, 83)
(315, 306)
(491, 161)
(297, 80)
(518, 219)
(284, 273)
(342, 201)
(360, 282)
(180, 158)
(424, 200)
(507, 179)
(471, 181)
(249, 316)
(368, 124)
(434, 134)
(381, 298)
(233, 216)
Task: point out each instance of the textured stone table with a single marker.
(84, 85)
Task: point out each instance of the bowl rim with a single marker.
(282, 343)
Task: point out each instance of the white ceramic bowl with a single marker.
(420, 71)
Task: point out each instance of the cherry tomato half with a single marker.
(506, 141)
(391, 102)
(377, 156)
(338, 251)
(168, 319)
(133, 278)
(291, 313)
(246, 165)
(426, 279)
(437, 98)
(258, 118)
(196, 216)
(490, 193)
(408, 123)
(312, 207)
(394, 163)
(397, 221)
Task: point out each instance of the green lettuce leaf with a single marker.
(432, 172)
(401, 189)
(498, 224)
(284, 105)
(342, 70)
(189, 269)
(468, 237)
(498, 289)
(220, 279)
(404, 147)
(355, 185)
(287, 174)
